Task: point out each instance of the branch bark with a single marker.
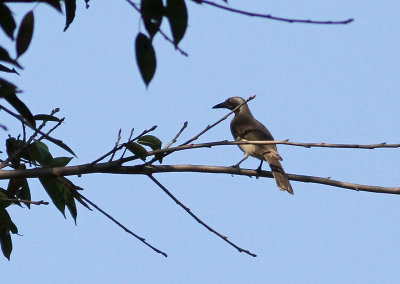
(115, 168)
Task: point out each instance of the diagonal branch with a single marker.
(268, 16)
(225, 238)
(143, 240)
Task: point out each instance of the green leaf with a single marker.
(151, 141)
(55, 190)
(25, 33)
(6, 225)
(7, 21)
(61, 192)
(9, 92)
(70, 202)
(46, 117)
(59, 162)
(137, 150)
(177, 15)
(7, 70)
(39, 152)
(152, 14)
(145, 57)
(70, 8)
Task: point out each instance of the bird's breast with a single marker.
(251, 149)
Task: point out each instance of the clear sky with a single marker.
(314, 83)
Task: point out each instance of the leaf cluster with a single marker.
(152, 13)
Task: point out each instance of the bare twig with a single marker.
(217, 122)
(268, 16)
(129, 139)
(116, 145)
(143, 240)
(123, 145)
(41, 202)
(225, 238)
(177, 135)
(52, 129)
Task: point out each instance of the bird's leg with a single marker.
(244, 158)
(259, 170)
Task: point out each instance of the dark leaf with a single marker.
(59, 162)
(152, 14)
(25, 191)
(55, 190)
(4, 56)
(137, 150)
(7, 21)
(8, 91)
(12, 146)
(70, 8)
(178, 18)
(25, 33)
(61, 144)
(6, 244)
(151, 141)
(145, 57)
(4, 194)
(8, 70)
(46, 117)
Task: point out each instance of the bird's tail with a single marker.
(279, 174)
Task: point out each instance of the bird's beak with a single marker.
(221, 105)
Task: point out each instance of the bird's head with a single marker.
(231, 103)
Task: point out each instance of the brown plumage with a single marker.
(245, 127)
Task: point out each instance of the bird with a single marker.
(245, 127)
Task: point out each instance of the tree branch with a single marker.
(225, 238)
(40, 202)
(115, 168)
(268, 16)
(143, 240)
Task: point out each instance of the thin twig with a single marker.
(35, 133)
(177, 135)
(129, 139)
(49, 138)
(116, 144)
(143, 240)
(217, 122)
(123, 145)
(225, 238)
(52, 129)
(41, 202)
(268, 16)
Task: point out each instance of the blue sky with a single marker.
(314, 83)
